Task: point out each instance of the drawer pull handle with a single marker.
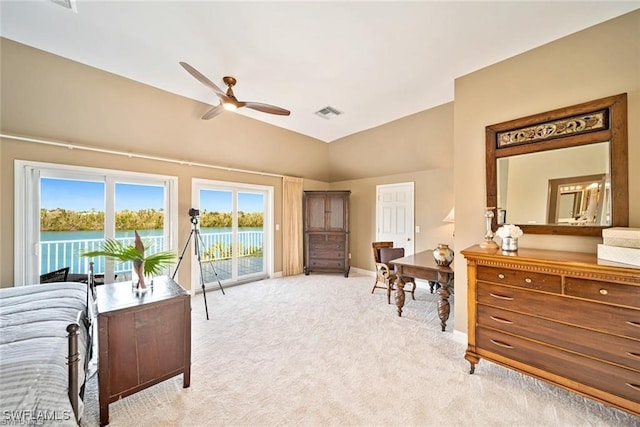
(632, 323)
(500, 276)
(503, 345)
(636, 355)
(604, 292)
(636, 387)
(501, 297)
(498, 319)
(527, 280)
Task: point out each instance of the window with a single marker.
(234, 227)
(62, 209)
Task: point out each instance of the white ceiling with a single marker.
(374, 61)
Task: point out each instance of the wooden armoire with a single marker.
(326, 231)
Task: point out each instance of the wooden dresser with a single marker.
(143, 339)
(326, 231)
(563, 317)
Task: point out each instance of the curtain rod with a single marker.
(134, 155)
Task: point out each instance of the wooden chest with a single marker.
(143, 338)
(563, 317)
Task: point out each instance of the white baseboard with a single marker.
(460, 337)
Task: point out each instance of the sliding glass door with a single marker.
(234, 228)
(63, 210)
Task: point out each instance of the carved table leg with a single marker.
(399, 283)
(444, 308)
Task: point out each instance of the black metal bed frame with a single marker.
(73, 355)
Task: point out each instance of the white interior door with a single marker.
(394, 215)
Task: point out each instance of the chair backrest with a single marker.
(388, 254)
(55, 276)
(376, 249)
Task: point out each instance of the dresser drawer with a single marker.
(328, 254)
(523, 279)
(327, 241)
(592, 315)
(328, 245)
(623, 351)
(593, 373)
(611, 293)
(326, 264)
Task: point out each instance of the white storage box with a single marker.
(619, 254)
(621, 236)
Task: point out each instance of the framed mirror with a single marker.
(561, 172)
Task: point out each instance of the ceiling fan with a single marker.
(228, 100)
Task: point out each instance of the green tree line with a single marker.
(144, 219)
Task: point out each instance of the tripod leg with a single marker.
(186, 245)
(204, 292)
(215, 273)
(197, 252)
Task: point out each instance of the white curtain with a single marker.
(291, 226)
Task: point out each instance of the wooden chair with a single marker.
(55, 276)
(383, 252)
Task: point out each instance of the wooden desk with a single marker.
(423, 266)
(143, 339)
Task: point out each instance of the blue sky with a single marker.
(87, 195)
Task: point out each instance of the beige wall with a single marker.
(48, 97)
(418, 149)
(433, 200)
(419, 142)
(12, 150)
(601, 61)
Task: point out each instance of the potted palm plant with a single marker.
(143, 266)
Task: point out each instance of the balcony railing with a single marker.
(216, 246)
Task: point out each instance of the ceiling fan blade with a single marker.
(265, 108)
(205, 81)
(213, 112)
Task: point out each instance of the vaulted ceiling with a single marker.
(374, 62)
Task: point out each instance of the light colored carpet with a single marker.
(321, 350)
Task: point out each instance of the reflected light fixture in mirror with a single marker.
(595, 125)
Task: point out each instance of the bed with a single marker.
(45, 348)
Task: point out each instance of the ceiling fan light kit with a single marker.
(228, 100)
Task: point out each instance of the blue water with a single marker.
(66, 254)
(47, 236)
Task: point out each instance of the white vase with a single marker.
(509, 244)
(139, 281)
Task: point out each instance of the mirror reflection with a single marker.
(566, 187)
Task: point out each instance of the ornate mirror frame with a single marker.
(591, 122)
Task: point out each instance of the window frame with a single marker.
(27, 176)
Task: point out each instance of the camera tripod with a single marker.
(197, 242)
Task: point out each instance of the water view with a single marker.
(61, 248)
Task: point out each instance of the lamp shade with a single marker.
(451, 216)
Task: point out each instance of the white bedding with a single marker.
(33, 352)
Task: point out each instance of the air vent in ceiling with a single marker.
(67, 4)
(328, 112)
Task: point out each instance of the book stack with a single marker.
(620, 244)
